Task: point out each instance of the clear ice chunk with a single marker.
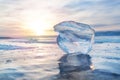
(74, 37)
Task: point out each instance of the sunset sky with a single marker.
(37, 17)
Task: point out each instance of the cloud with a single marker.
(96, 12)
(99, 13)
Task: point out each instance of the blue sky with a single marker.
(19, 17)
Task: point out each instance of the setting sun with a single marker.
(38, 27)
(38, 24)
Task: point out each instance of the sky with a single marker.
(37, 17)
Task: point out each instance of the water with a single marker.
(37, 58)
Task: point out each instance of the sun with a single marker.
(38, 24)
(38, 27)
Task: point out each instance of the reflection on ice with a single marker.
(72, 62)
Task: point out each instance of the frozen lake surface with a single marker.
(36, 58)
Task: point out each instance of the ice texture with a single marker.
(74, 37)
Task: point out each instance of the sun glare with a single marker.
(37, 24)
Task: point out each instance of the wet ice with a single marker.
(76, 40)
(74, 37)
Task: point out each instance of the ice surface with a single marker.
(74, 37)
(9, 47)
(30, 63)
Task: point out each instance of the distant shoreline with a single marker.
(6, 38)
(98, 33)
(107, 33)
